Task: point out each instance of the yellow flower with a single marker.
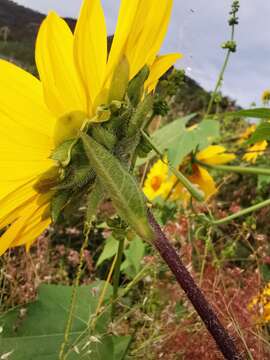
(76, 76)
(212, 155)
(158, 183)
(246, 134)
(255, 150)
(261, 303)
(266, 97)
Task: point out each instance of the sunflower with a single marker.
(158, 182)
(200, 177)
(77, 76)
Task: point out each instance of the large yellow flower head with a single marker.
(77, 76)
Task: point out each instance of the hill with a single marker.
(22, 23)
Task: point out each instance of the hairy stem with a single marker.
(223, 340)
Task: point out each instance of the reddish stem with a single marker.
(222, 338)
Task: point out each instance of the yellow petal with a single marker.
(147, 33)
(127, 13)
(33, 228)
(255, 151)
(215, 155)
(63, 90)
(204, 180)
(159, 68)
(16, 198)
(11, 234)
(90, 47)
(22, 104)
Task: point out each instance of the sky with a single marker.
(197, 30)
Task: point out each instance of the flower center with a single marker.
(156, 182)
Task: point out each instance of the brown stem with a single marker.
(223, 340)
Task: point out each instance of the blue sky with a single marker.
(197, 29)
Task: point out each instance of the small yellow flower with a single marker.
(255, 151)
(76, 75)
(246, 134)
(158, 183)
(266, 97)
(261, 304)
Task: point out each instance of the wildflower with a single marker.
(77, 76)
(212, 155)
(255, 151)
(246, 134)
(266, 97)
(158, 183)
(261, 304)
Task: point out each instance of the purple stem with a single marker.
(222, 338)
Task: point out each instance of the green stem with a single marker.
(237, 169)
(242, 213)
(62, 355)
(198, 195)
(221, 75)
(116, 275)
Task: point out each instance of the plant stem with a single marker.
(242, 213)
(73, 301)
(223, 340)
(116, 275)
(237, 169)
(197, 194)
(221, 75)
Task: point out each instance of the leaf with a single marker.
(168, 135)
(199, 137)
(39, 334)
(258, 113)
(134, 255)
(127, 198)
(58, 203)
(94, 199)
(61, 152)
(110, 249)
(261, 133)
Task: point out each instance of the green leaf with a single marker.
(199, 137)
(134, 255)
(136, 86)
(119, 82)
(94, 199)
(110, 249)
(261, 133)
(258, 113)
(127, 198)
(58, 203)
(167, 136)
(142, 113)
(62, 151)
(40, 332)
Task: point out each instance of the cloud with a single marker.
(197, 29)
